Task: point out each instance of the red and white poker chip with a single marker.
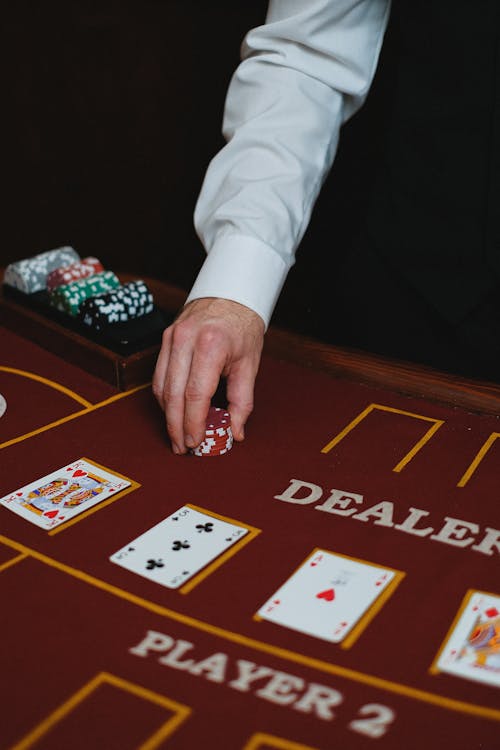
(218, 435)
(79, 270)
(218, 418)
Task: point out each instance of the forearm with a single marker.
(302, 75)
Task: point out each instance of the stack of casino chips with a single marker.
(69, 297)
(130, 301)
(218, 435)
(74, 272)
(80, 287)
(30, 274)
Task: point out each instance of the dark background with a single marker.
(111, 113)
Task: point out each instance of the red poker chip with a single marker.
(218, 436)
(206, 448)
(217, 417)
(73, 272)
(212, 448)
(217, 453)
(220, 432)
(216, 441)
(214, 452)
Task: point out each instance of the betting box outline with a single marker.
(180, 711)
(373, 407)
(471, 469)
(14, 560)
(260, 740)
(46, 381)
(72, 394)
(374, 608)
(478, 458)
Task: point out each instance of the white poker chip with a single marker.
(3, 405)
(30, 274)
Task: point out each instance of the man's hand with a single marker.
(211, 337)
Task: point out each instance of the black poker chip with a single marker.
(127, 302)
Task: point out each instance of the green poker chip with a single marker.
(69, 297)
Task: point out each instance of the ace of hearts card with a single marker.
(472, 647)
(328, 594)
(64, 493)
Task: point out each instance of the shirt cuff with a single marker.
(245, 270)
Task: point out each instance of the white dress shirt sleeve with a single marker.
(303, 73)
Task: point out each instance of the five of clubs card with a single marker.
(179, 546)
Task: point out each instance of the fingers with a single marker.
(161, 368)
(175, 381)
(211, 337)
(206, 368)
(240, 389)
(186, 377)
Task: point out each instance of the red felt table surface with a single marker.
(70, 617)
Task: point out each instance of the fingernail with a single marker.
(175, 448)
(189, 440)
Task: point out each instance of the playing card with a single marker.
(327, 595)
(472, 648)
(178, 547)
(64, 493)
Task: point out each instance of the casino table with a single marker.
(375, 461)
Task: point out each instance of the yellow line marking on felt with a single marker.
(75, 415)
(323, 666)
(180, 711)
(133, 486)
(479, 457)
(372, 407)
(209, 569)
(375, 608)
(12, 561)
(46, 381)
(259, 739)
